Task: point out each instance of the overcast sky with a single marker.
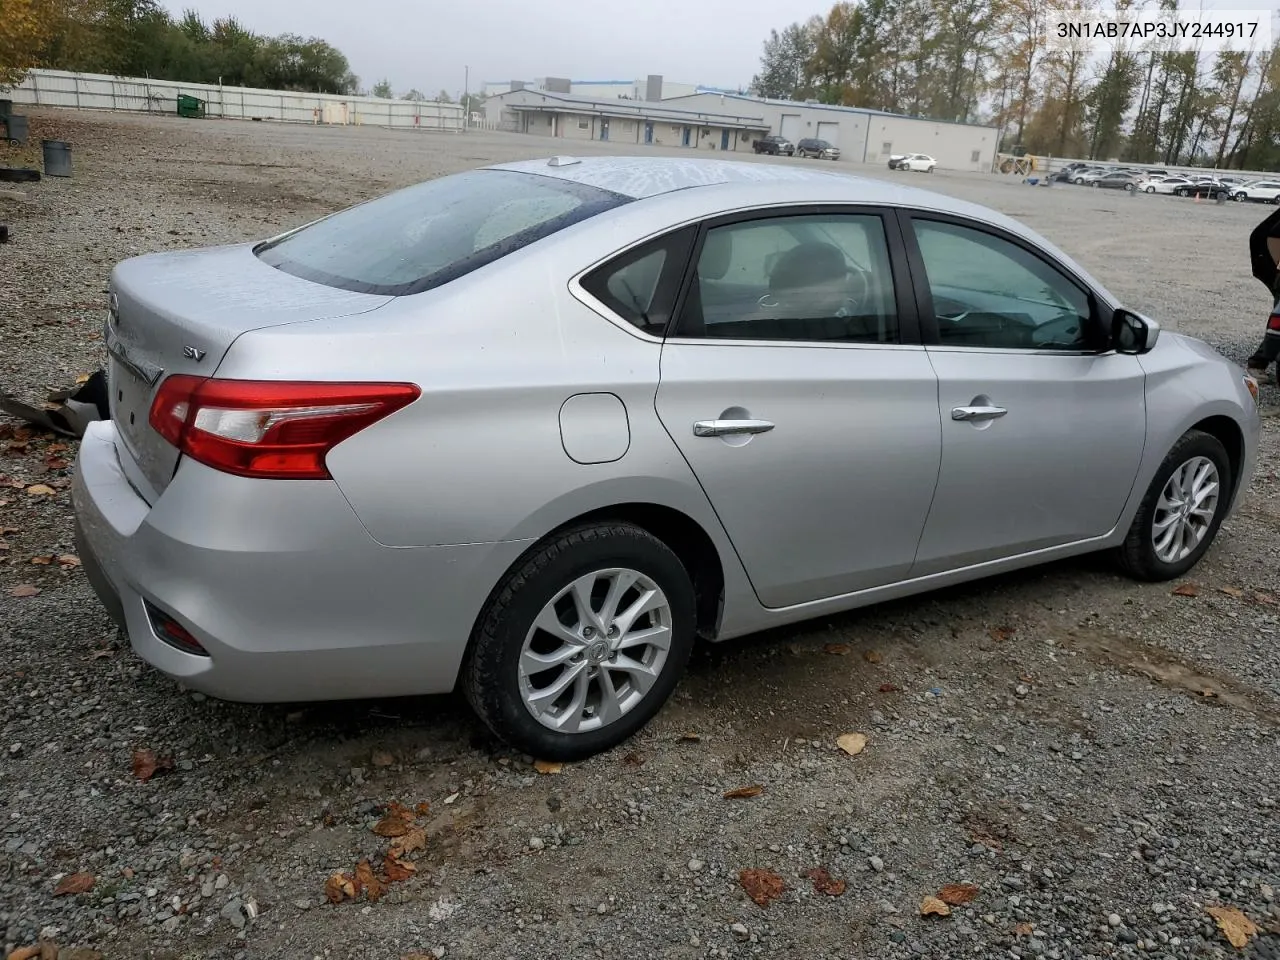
(427, 45)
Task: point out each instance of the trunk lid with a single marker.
(179, 313)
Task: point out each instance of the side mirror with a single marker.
(1132, 333)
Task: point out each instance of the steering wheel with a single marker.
(858, 288)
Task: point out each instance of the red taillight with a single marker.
(1273, 322)
(270, 429)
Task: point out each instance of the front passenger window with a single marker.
(990, 292)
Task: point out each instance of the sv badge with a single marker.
(191, 353)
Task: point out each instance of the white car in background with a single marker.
(1268, 191)
(917, 161)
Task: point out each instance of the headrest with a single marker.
(807, 264)
(717, 250)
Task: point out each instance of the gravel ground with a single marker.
(1098, 758)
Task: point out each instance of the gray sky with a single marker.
(427, 45)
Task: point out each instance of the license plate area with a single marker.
(130, 404)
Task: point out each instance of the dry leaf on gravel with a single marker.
(1258, 597)
(872, 656)
(55, 463)
(633, 760)
(146, 764)
(25, 953)
(100, 654)
(338, 886)
(41, 490)
(422, 809)
(548, 766)
(1024, 930)
(1235, 926)
(382, 759)
(956, 894)
(1186, 590)
(414, 840)
(396, 869)
(419, 956)
(42, 561)
(742, 793)
(836, 649)
(24, 590)
(365, 878)
(69, 560)
(396, 822)
(933, 907)
(889, 688)
(1235, 592)
(762, 886)
(75, 883)
(852, 743)
(1002, 634)
(825, 883)
(689, 737)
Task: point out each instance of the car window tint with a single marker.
(640, 285)
(989, 292)
(426, 235)
(821, 277)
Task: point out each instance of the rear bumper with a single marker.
(278, 581)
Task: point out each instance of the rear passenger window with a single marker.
(640, 285)
(821, 277)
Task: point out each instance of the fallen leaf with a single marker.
(872, 656)
(146, 764)
(1001, 634)
(1186, 590)
(824, 882)
(24, 590)
(889, 688)
(689, 737)
(633, 760)
(56, 448)
(762, 886)
(422, 809)
(956, 894)
(1258, 596)
(391, 827)
(42, 561)
(365, 877)
(41, 490)
(419, 956)
(382, 759)
(338, 886)
(836, 649)
(69, 560)
(1235, 592)
(742, 793)
(1235, 926)
(414, 840)
(75, 883)
(851, 743)
(99, 654)
(1024, 930)
(547, 766)
(25, 953)
(55, 463)
(396, 869)
(932, 906)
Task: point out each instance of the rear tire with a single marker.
(1161, 521)
(535, 616)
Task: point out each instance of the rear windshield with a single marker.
(426, 235)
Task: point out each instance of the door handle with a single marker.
(977, 413)
(729, 428)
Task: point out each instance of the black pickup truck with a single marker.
(775, 145)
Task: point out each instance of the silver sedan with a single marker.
(532, 429)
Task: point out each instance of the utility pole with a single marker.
(466, 96)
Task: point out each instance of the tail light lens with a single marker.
(269, 429)
(1273, 321)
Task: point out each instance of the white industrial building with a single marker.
(573, 117)
(651, 88)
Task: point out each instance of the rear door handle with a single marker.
(977, 413)
(729, 428)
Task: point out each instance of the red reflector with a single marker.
(172, 632)
(1273, 322)
(266, 428)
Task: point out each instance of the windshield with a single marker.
(426, 235)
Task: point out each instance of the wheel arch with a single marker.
(1227, 432)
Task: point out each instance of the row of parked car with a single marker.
(780, 146)
(1210, 186)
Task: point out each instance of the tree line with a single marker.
(988, 61)
(139, 38)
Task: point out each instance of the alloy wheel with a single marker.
(595, 650)
(1186, 508)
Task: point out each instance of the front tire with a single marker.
(582, 642)
(1182, 510)
(1151, 189)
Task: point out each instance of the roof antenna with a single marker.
(562, 161)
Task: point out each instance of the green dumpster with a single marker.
(190, 107)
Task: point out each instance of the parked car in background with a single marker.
(380, 455)
(921, 162)
(818, 149)
(1120, 180)
(895, 159)
(1181, 186)
(1084, 174)
(774, 144)
(1266, 191)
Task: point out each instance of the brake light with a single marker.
(269, 429)
(1273, 322)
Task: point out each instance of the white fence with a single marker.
(58, 88)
